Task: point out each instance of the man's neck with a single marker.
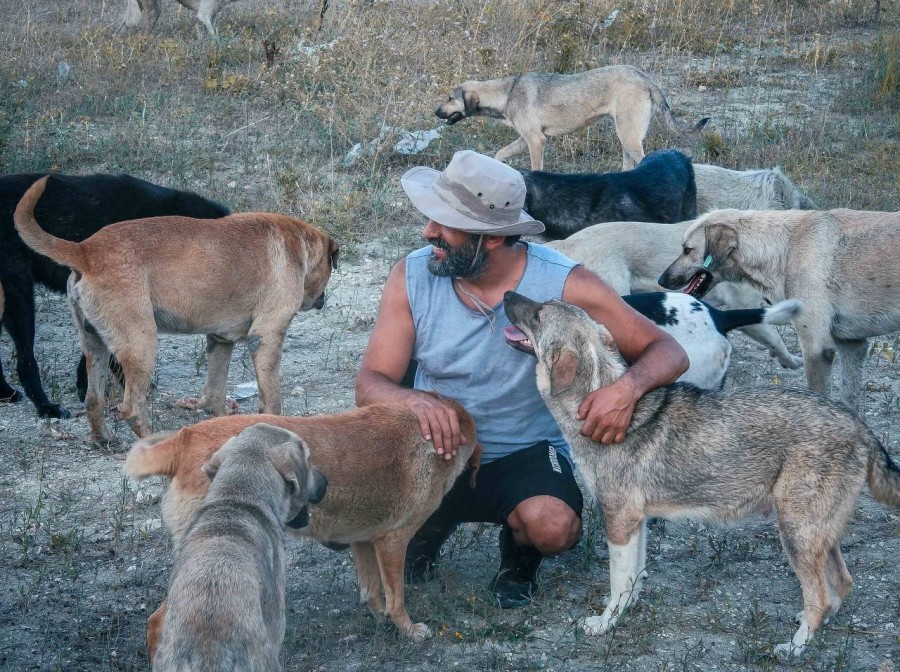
(505, 268)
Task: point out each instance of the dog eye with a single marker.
(686, 250)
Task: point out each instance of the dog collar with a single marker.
(707, 261)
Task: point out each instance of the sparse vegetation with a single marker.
(263, 118)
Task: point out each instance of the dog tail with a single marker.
(783, 312)
(791, 196)
(884, 477)
(154, 455)
(662, 105)
(61, 251)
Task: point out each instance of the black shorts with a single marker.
(503, 484)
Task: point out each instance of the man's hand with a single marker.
(607, 412)
(439, 424)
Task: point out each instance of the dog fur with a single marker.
(225, 604)
(533, 105)
(73, 208)
(631, 255)
(842, 265)
(384, 481)
(660, 189)
(765, 189)
(145, 13)
(715, 457)
(240, 277)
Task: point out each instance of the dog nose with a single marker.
(320, 302)
(300, 520)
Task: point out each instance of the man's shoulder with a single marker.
(549, 255)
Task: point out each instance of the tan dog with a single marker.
(226, 589)
(842, 265)
(384, 481)
(544, 105)
(240, 277)
(145, 13)
(762, 189)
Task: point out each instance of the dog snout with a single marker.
(318, 486)
(319, 303)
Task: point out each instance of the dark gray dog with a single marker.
(660, 189)
(711, 456)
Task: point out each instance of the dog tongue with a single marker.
(513, 335)
(694, 283)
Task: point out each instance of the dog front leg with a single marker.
(626, 574)
(369, 577)
(391, 552)
(218, 359)
(513, 149)
(154, 629)
(265, 351)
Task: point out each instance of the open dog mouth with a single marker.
(517, 340)
(699, 284)
(453, 118)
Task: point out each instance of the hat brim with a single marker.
(418, 184)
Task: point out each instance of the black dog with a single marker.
(660, 188)
(73, 208)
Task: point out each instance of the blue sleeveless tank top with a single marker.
(462, 357)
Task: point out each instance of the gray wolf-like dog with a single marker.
(544, 105)
(660, 189)
(240, 277)
(384, 481)
(631, 255)
(765, 189)
(226, 589)
(842, 265)
(710, 456)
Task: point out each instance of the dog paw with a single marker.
(190, 403)
(791, 362)
(798, 618)
(54, 411)
(594, 626)
(10, 396)
(419, 632)
(788, 651)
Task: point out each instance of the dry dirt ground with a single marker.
(83, 558)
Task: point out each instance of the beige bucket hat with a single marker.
(474, 193)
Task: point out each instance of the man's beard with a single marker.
(467, 261)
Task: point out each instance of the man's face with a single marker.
(456, 254)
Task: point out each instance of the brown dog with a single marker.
(384, 481)
(240, 277)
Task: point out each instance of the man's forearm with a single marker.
(373, 387)
(660, 364)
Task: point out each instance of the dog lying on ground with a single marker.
(715, 457)
(660, 189)
(631, 255)
(544, 105)
(766, 189)
(225, 605)
(843, 265)
(240, 277)
(384, 481)
(145, 13)
(73, 208)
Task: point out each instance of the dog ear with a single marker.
(563, 369)
(211, 467)
(721, 241)
(289, 459)
(333, 251)
(470, 102)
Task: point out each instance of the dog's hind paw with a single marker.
(54, 411)
(419, 632)
(788, 651)
(791, 361)
(594, 626)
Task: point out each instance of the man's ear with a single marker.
(563, 369)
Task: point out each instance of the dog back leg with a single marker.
(852, 357)
(391, 553)
(206, 13)
(218, 359)
(625, 537)
(96, 356)
(514, 149)
(154, 629)
(819, 351)
(631, 129)
(809, 561)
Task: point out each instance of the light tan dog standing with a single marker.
(761, 189)
(544, 105)
(384, 481)
(843, 265)
(226, 589)
(242, 277)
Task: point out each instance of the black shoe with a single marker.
(515, 583)
(423, 550)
